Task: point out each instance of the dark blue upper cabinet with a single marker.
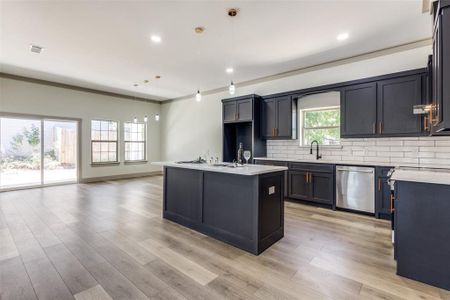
(383, 108)
(278, 118)
(441, 70)
(396, 99)
(240, 110)
(359, 110)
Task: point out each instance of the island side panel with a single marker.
(183, 193)
(271, 209)
(230, 209)
(422, 232)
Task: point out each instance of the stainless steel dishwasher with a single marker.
(355, 188)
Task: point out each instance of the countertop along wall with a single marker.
(190, 128)
(23, 97)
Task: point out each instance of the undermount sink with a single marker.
(220, 165)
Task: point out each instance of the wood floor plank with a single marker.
(14, 281)
(46, 281)
(114, 283)
(182, 264)
(94, 293)
(7, 246)
(74, 275)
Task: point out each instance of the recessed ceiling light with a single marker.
(135, 84)
(36, 49)
(156, 39)
(229, 70)
(342, 36)
(157, 77)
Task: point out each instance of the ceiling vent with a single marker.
(36, 49)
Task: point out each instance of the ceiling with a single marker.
(106, 45)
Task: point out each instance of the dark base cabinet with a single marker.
(312, 182)
(383, 201)
(422, 232)
(244, 211)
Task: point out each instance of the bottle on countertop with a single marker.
(240, 154)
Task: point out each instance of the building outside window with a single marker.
(104, 142)
(135, 141)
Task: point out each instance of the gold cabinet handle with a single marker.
(374, 127)
(392, 203)
(306, 177)
(379, 184)
(380, 127)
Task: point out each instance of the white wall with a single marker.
(31, 98)
(189, 128)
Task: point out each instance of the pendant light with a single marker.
(157, 117)
(198, 96)
(145, 119)
(232, 88)
(135, 120)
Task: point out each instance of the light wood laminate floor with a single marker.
(108, 241)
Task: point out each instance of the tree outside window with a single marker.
(321, 124)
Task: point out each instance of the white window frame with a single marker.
(303, 128)
(116, 141)
(144, 142)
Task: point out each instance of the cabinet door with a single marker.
(284, 118)
(396, 98)
(299, 188)
(229, 111)
(359, 110)
(322, 187)
(269, 118)
(244, 110)
(382, 193)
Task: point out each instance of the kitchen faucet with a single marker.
(318, 156)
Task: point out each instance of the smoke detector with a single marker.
(232, 12)
(36, 49)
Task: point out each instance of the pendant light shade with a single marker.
(157, 117)
(145, 119)
(135, 120)
(198, 96)
(232, 88)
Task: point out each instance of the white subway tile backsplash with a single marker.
(410, 151)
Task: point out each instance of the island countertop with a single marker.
(247, 170)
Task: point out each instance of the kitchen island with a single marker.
(242, 206)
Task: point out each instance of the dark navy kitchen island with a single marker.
(241, 206)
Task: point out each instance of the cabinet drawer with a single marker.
(312, 167)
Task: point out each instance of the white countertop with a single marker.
(333, 162)
(437, 176)
(248, 170)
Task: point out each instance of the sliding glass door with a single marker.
(20, 146)
(37, 151)
(60, 151)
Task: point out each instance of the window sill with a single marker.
(132, 162)
(105, 164)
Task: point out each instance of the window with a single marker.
(322, 124)
(104, 142)
(135, 137)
